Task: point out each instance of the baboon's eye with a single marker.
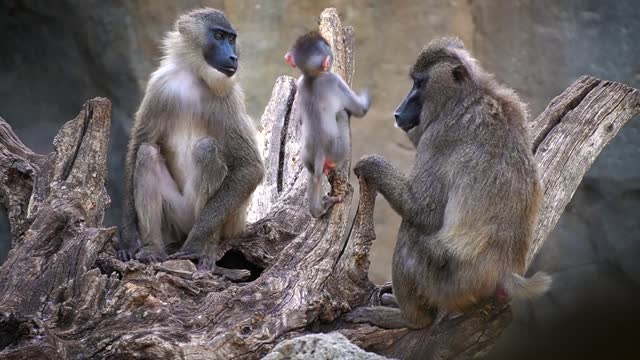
(232, 39)
(421, 81)
(219, 35)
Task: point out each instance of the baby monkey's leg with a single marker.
(328, 166)
(319, 203)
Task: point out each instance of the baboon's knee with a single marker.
(148, 154)
(206, 149)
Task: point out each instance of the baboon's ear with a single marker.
(460, 73)
(326, 64)
(288, 58)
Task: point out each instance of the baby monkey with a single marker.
(326, 102)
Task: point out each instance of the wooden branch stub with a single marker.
(18, 168)
(558, 108)
(81, 149)
(569, 135)
(59, 244)
(331, 29)
(349, 59)
(271, 141)
(78, 160)
(350, 283)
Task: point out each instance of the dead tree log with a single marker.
(63, 294)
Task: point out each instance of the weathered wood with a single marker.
(18, 166)
(275, 118)
(569, 135)
(62, 241)
(64, 295)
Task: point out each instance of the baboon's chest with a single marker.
(179, 151)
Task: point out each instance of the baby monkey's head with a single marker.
(310, 53)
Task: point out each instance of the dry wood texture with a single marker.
(63, 294)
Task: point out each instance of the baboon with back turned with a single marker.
(470, 204)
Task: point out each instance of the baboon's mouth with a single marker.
(406, 126)
(229, 71)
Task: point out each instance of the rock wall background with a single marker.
(57, 54)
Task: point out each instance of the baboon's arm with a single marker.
(421, 204)
(386, 179)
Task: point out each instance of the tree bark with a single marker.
(64, 295)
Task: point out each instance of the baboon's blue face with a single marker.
(408, 112)
(220, 51)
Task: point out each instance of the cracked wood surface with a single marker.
(64, 295)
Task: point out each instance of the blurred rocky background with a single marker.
(56, 54)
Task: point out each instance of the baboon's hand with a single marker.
(367, 165)
(125, 255)
(357, 169)
(151, 256)
(193, 249)
(129, 244)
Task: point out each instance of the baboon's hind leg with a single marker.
(157, 201)
(204, 182)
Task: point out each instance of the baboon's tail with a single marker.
(520, 287)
